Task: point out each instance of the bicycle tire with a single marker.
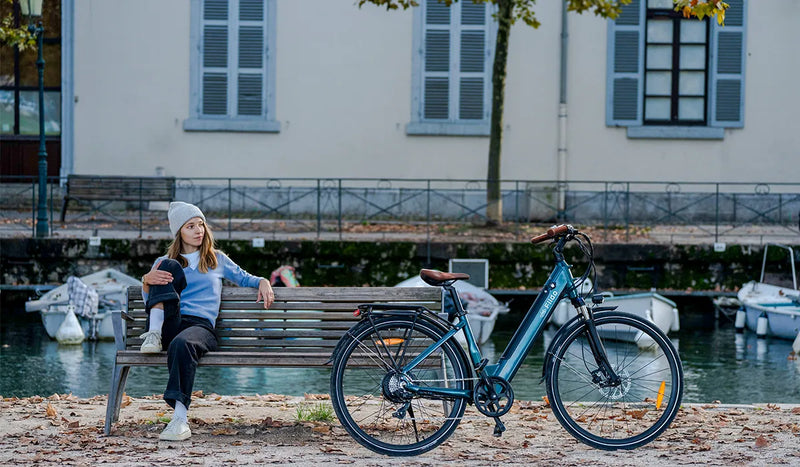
(359, 377)
(627, 416)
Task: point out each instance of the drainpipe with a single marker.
(562, 118)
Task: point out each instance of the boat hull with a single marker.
(111, 286)
(650, 306)
(481, 326)
(482, 308)
(99, 327)
(776, 304)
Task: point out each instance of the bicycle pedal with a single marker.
(499, 428)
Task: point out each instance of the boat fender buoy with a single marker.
(70, 331)
(741, 316)
(676, 322)
(796, 344)
(761, 326)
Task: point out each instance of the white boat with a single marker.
(779, 305)
(482, 308)
(651, 306)
(110, 286)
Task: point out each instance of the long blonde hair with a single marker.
(208, 253)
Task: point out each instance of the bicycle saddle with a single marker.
(439, 278)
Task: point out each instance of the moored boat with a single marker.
(110, 286)
(482, 308)
(776, 306)
(651, 306)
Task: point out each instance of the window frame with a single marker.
(52, 37)
(197, 121)
(675, 70)
(450, 127)
(726, 76)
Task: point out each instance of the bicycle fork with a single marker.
(604, 376)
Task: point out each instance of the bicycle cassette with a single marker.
(493, 396)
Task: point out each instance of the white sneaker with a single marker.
(152, 342)
(176, 430)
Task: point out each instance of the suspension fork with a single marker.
(598, 349)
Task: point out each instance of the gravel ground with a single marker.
(249, 430)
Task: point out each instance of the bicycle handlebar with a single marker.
(555, 231)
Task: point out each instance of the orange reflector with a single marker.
(393, 341)
(660, 397)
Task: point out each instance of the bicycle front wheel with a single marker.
(626, 414)
(367, 386)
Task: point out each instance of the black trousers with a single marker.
(186, 338)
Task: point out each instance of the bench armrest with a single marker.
(117, 317)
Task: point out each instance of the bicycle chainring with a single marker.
(493, 396)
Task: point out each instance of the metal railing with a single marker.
(341, 207)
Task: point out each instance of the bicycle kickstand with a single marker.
(499, 427)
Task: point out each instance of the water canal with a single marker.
(719, 364)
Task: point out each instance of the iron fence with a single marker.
(340, 207)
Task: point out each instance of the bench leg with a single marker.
(64, 209)
(118, 378)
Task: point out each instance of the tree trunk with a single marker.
(494, 200)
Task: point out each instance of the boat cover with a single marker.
(83, 297)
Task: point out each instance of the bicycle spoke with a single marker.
(615, 413)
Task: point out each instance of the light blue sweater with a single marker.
(201, 297)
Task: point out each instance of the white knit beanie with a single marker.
(180, 212)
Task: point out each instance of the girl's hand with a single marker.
(156, 276)
(265, 293)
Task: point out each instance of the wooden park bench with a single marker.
(301, 329)
(110, 188)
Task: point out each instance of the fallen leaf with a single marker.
(51, 411)
(327, 448)
(796, 410)
(317, 397)
(324, 429)
(762, 442)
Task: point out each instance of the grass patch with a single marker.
(320, 412)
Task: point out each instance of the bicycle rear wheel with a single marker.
(367, 386)
(622, 416)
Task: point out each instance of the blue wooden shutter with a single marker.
(252, 59)
(214, 43)
(727, 68)
(472, 62)
(626, 66)
(436, 66)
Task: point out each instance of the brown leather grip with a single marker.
(551, 232)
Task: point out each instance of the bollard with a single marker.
(741, 316)
(761, 326)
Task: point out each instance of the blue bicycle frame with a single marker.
(559, 282)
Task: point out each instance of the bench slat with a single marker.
(279, 357)
(312, 295)
(323, 315)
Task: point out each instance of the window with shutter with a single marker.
(233, 66)
(454, 49)
(672, 77)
